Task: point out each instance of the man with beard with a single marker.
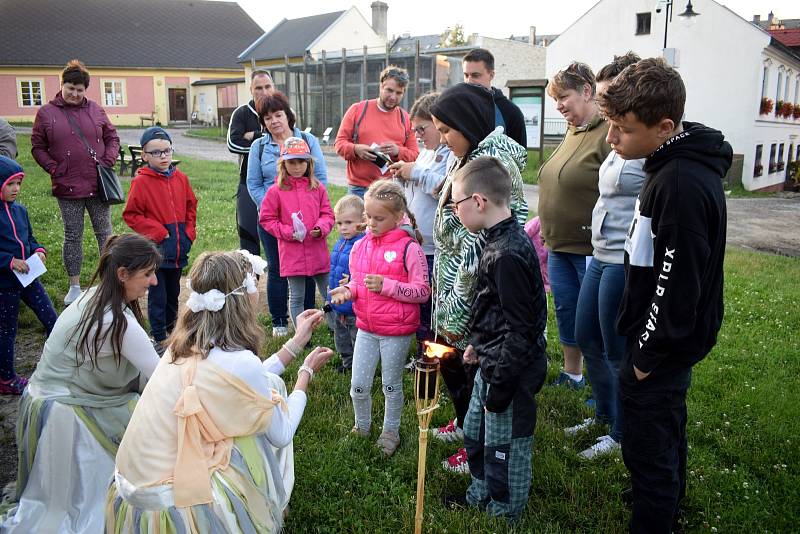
(374, 133)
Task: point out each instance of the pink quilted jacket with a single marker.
(400, 260)
(310, 256)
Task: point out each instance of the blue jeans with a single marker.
(566, 273)
(277, 286)
(358, 190)
(602, 348)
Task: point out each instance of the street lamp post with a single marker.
(688, 15)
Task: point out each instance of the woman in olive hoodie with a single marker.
(58, 147)
(567, 195)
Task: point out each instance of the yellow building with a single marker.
(162, 62)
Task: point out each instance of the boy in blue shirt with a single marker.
(349, 213)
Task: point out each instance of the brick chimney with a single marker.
(379, 17)
(532, 36)
(756, 19)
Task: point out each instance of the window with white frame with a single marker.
(778, 90)
(764, 82)
(31, 93)
(786, 92)
(113, 92)
(797, 90)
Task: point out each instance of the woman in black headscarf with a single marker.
(464, 115)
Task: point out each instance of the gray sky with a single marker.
(497, 18)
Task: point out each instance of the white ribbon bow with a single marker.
(212, 300)
(258, 263)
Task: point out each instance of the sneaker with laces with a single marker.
(565, 380)
(604, 445)
(448, 433)
(457, 463)
(280, 331)
(13, 386)
(580, 427)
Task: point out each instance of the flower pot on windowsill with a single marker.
(766, 106)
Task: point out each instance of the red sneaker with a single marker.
(15, 386)
(457, 463)
(448, 433)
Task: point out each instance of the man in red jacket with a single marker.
(161, 206)
(374, 131)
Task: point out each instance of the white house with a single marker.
(728, 65)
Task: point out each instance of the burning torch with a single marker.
(426, 396)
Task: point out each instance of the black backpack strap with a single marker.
(403, 122)
(358, 122)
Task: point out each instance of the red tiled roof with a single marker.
(788, 37)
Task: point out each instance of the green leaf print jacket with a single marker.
(455, 270)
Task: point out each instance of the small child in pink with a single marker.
(388, 281)
(297, 211)
(533, 228)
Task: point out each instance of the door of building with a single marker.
(177, 105)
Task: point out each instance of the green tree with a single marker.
(453, 37)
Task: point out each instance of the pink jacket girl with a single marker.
(388, 281)
(297, 211)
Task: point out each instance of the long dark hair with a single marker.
(135, 253)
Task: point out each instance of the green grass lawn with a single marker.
(215, 133)
(531, 173)
(744, 422)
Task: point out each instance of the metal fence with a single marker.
(321, 88)
(555, 127)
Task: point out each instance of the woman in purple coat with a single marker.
(58, 147)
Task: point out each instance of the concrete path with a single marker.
(765, 224)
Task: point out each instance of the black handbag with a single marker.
(109, 188)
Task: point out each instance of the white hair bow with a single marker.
(212, 300)
(258, 263)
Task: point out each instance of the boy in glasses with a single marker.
(506, 340)
(162, 206)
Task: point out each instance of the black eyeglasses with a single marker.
(420, 130)
(454, 203)
(159, 153)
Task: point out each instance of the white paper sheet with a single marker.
(35, 269)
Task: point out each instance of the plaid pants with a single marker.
(499, 445)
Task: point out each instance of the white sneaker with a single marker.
(604, 445)
(580, 427)
(73, 293)
(449, 432)
(280, 331)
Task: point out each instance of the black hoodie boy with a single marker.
(672, 306)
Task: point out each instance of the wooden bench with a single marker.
(326, 135)
(124, 161)
(150, 118)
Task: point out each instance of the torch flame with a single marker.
(436, 350)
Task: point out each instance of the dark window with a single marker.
(772, 165)
(780, 157)
(758, 170)
(642, 23)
